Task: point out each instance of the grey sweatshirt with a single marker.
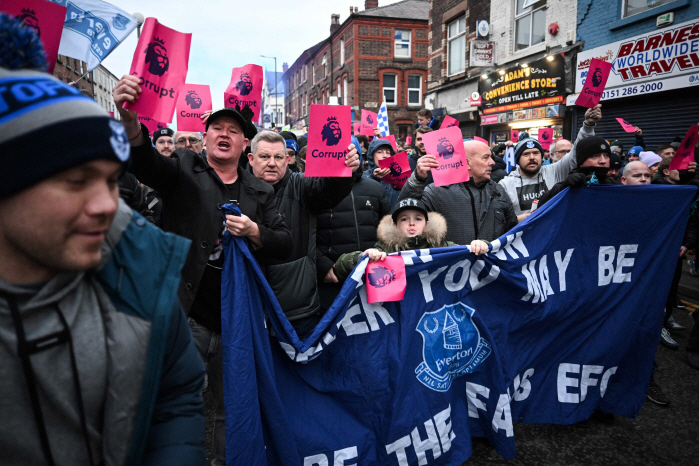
(74, 294)
(522, 190)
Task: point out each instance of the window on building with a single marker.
(402, 44)
(530, 23)
(342, 52)
(456, 45)
(344, 90)
(305, 72)
(313, 72)
(414, 89)
(634, 7)
(339, 90)
(325, 66)
(390, 89)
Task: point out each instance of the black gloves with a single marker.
(575, 180)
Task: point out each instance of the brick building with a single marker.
(452, 78)
(375, 53)
(70, 70)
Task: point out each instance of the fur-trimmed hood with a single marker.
(392, 240)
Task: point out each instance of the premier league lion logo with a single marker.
(331, 132)
(28, 17)
(244, 85)
(192, 99)
(545, 136)
(369, 120)
(395, 169)
(445, 149)
(380, 277)
(452, 346)
(156, 57)
(597, 77)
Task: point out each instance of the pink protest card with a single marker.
(193, 101)
(545, 138)
(161, 61)
(328, 139)
(399, 167)
(385, 280)
(628, 127)
(245, 88)
(685, 154)
(448, 148)
(595, 83)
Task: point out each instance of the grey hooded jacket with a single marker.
(522, 189)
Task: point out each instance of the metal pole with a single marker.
(276, 91)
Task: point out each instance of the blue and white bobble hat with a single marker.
(526, 142)
(47, 127)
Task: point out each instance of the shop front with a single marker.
(524, 99)
(654, 84)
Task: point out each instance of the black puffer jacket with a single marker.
(349, 226)
(294, 280)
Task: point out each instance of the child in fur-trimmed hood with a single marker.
(409, 227)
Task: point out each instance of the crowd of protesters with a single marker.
(139, 309)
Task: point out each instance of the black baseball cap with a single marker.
(231, 113)
(162, 132)
(409, 204)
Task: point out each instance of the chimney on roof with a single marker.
(334, 23)
(285, 67)
(356, 9)
(368, 4)
(351, 10)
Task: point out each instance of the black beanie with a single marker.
(162, 132)
(47, 127)
(587, 147)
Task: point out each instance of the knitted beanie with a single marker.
(47, 127)
(525, 144)
(587, 147)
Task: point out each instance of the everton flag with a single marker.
(93, 29)
(560, 318)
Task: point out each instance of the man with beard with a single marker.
(299, 199)
(614, 167)
(162, 140)
(193, 188)
(530, 180)
(476, 209)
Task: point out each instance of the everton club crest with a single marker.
(452, 346)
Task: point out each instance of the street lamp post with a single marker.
(276, 91)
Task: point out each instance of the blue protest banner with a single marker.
(560, 318)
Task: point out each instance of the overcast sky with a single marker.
(231, 34)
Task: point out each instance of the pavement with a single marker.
(657, 436)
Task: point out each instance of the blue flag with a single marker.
(561, 317)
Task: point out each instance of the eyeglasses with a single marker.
(562, 152)
(192, 141)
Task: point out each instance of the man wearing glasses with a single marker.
(189, 140)
(559, 149)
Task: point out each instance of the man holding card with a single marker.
(194, 188)
(299, 199)
(475, 209)
(530, 180)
